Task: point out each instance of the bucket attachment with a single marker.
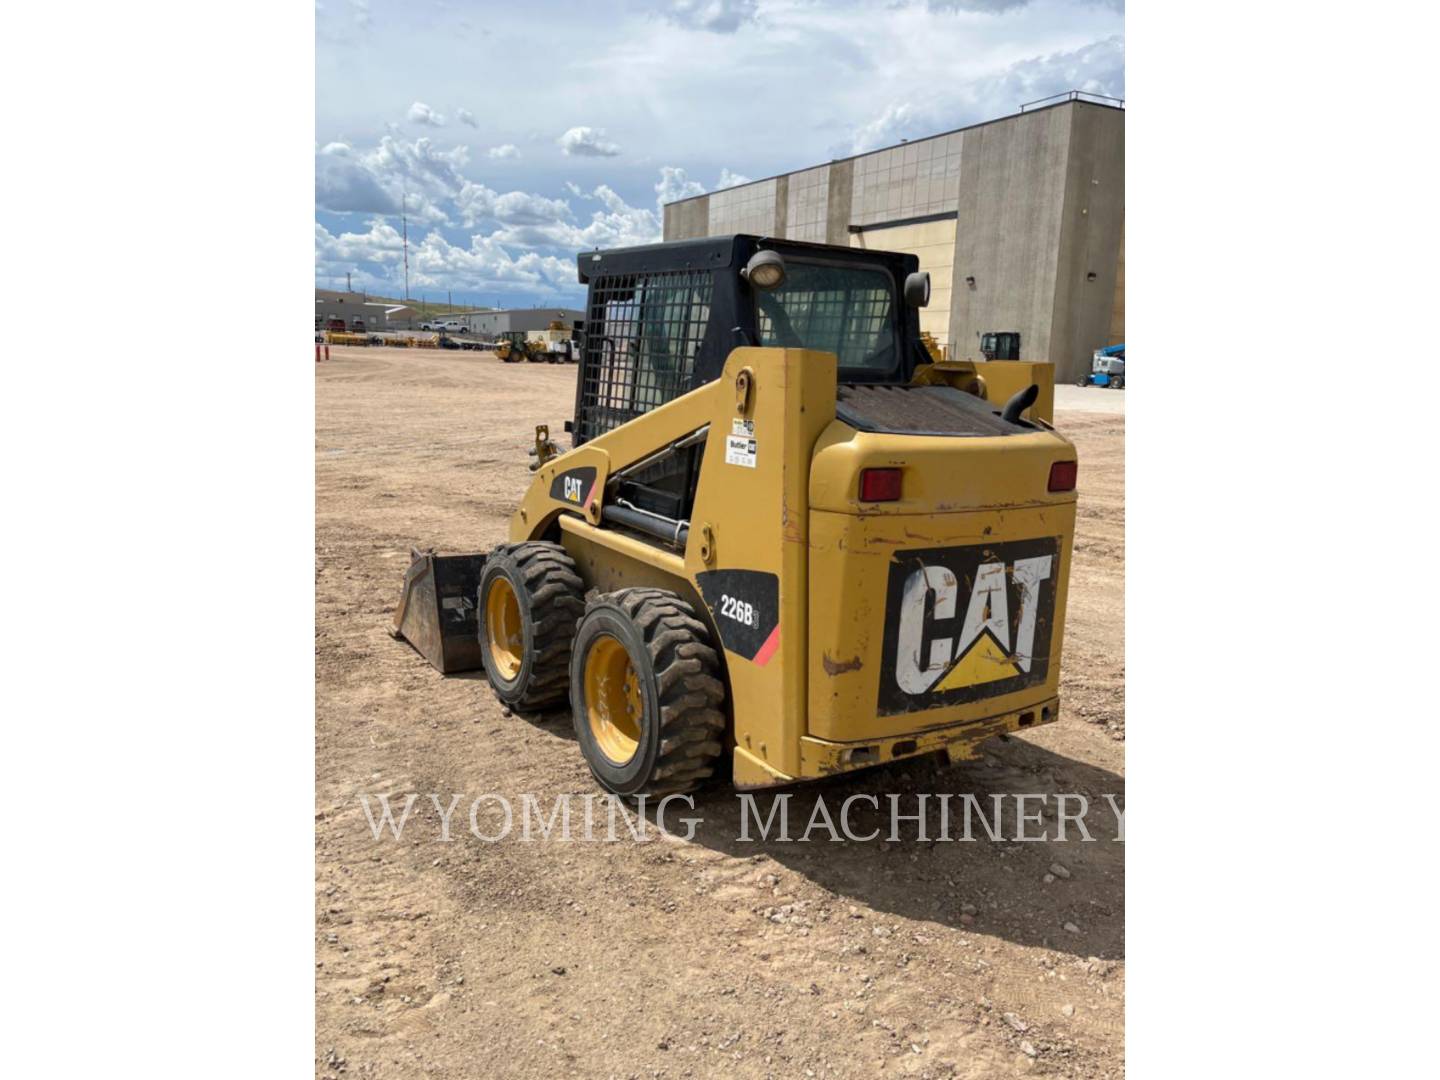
(437, 609)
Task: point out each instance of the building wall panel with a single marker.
(1008, 227)
(1117, 308)
(934, 243)
(808, 205)
(1088, 256)
(747, 209)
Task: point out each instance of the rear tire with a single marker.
(530, 599)
(646, 693)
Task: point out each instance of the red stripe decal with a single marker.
(768, 649)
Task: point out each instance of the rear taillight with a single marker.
(1062, 476)
(879, 485)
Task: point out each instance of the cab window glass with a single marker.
(847, 310)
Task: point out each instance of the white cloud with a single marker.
(502, 153)
(624, 226)
(420, 113)
(989, 7)
(999, 7)
(500, 221)
(342, 23)
(377, 254)
(380, 244)
(673, 185)
(423, 162)
(349, 180)
(485, 264)
(903, 69)
(524, 208)
(1097, 68)
(477, 203)
(718, 16)
(586, 142)
(889, 127)
(666, 110)
(432, 181)
(344, 183)
(617, 224)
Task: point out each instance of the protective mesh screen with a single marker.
(844, 310)
(643, 333)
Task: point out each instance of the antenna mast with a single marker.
(405, 238)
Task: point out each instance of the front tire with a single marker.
(530, 599)
(646, 693)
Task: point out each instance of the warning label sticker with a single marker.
(740, 444)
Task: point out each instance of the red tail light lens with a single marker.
(1062, 476)
(879, 485)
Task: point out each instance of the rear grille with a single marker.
(642, 335)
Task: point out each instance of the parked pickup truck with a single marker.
(446, 326)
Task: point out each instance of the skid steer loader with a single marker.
(785, 539)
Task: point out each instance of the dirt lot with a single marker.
(707, 957)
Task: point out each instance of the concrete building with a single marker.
(376, 315)
(1020, 222)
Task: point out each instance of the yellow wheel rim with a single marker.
(503, 628)
(613, 703)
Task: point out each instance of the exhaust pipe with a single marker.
(1019, 403)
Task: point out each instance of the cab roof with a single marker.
(722, 252)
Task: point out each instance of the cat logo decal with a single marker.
(965, 623)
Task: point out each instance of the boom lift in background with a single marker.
(1107, 368)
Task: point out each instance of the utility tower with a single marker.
(405, 239)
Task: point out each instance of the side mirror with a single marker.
(917, 288)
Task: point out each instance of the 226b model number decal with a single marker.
(745, 607)
(741, 611)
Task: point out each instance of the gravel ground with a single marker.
(671, 958)
(1095, 399)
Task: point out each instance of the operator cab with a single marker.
(661, 319)
(1000, 345)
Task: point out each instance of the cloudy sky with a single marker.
(518, 134)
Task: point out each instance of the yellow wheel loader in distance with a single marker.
(785, 535)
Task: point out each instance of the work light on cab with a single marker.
(765, 270)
